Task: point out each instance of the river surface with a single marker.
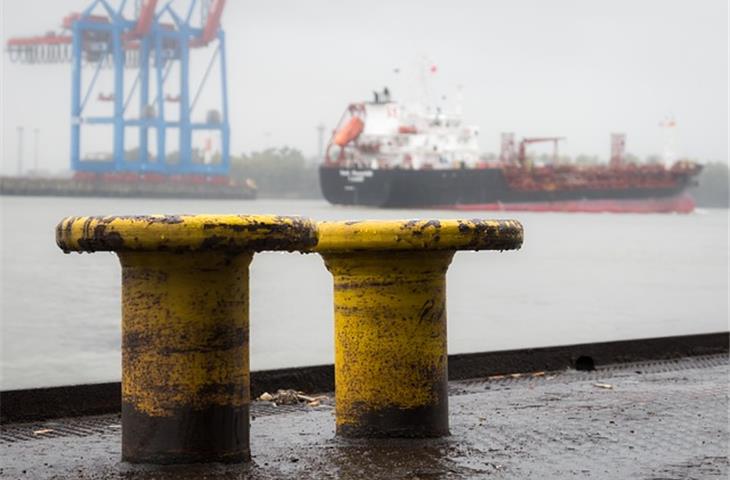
(579, 278)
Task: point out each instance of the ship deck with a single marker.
(650, 419)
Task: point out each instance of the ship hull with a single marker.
(486, 189)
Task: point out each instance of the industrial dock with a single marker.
(654, 415)
(72, 187)
(156, 324)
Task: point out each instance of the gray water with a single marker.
(579, 278)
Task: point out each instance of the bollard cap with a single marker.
(459, 234)
(185, 233)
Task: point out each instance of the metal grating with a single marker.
(69, 427)
(111, 424)
(668, 422)
(463, 387)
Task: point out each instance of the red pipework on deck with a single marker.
(522, 154)
(678, 204)
(599, 177)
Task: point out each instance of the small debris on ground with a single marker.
(43, 431)
(292, 397)
(607, 386)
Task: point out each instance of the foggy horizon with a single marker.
(386, 240)
(568, 68)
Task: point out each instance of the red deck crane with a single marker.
(522, 154)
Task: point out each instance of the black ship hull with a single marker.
(484, 189)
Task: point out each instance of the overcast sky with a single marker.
(576, 68)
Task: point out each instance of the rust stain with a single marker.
(390, 333)
(433, 234)
(184, 331)
(390, 318)
(179, 233)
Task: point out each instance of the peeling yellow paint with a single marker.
(185, 300)
(185, 329)
(390, 329)
(453, 234)
(390, 314)
(185, 233)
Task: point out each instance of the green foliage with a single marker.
(278, 172)
(583, 159)
(654, 159)
(631, 158)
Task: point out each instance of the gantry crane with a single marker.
(102, 39)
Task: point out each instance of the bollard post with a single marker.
(390, 318)
(185, 350)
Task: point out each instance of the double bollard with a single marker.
(185, 330)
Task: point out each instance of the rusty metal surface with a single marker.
(184, 233)
(458, 234)
(660, 419)
(390, 318)
(185, 345)
(185, 356)
(390, 342)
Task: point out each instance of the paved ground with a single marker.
(655, 420)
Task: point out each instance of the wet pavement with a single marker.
(653, 420)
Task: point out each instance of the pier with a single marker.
(650, 408)
(71, 187)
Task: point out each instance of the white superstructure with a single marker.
(387, 134)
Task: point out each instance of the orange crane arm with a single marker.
(212, 24)
(146, 15)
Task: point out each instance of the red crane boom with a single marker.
(522, 154)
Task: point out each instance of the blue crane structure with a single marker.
(151, 44)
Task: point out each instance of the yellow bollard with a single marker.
(185, 351)
(390, 318)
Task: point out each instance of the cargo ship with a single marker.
(386, 154)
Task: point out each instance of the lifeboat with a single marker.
(349, 132)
